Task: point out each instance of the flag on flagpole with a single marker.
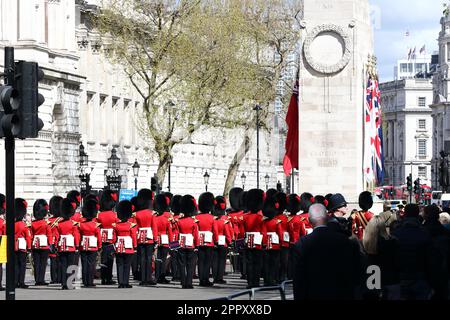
(409, 54)
(423, 50)
(413, 55)
(290, 160)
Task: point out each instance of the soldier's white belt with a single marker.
(273, 237)
(207, 236)
(91, 241)
(68, 239)
(108, 232)
(127, 242)
(40, 241)
(148, 233)
(187, 239)
(257, 237)
(22, 244)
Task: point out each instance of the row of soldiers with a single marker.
(259, 229)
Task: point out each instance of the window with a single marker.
(422, 102)
(422, 148)
(403, 67)
(422, 124)
(423, 172)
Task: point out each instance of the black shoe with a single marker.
(64, 288)
(209, 284)
(151, 283)
(128, 286)
(120, 286)
(164, 281)
(110, 282)
(220, 281)
(243, 278)
(23, 286)
(103, 282)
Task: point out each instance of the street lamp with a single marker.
(257, 108)
(113, 179)
(136, 167)
(206, 178)
(243, 177)
(84, 171)
(267, 179)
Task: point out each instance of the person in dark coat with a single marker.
(327, 264)
(337, 210)
(418, 259)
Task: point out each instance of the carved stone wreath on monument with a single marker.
(340, 35)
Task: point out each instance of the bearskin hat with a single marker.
(92, 197)
(74, 196)
(169, 195)
(220, 206)
(2, 203)
(40, 209)
(108, 200)
(162, 203)
(255, 200)
(67, 209)
(145, 199)
(55, 206)
(271, 207)
(21, 208)
(281, 199)
(124, 210)
(134, 203)
(271, 192)
(243, 201)
(322, 200)
(206, 202)
(293, 204)
(365, 201)
(235, 195)
(90, 209)
(175, 204)
(188, 205)
(306, 201)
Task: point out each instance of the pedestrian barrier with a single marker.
(252, 292)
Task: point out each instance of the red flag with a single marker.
(291, 158)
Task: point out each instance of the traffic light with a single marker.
(417, 186)
(9, 103)
(409, 183)
(154, 184)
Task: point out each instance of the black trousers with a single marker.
(146, 254)
(135, 267)
(174, 264)
(186, 259)
(253, 259)
(55, 275)
(66, 259)
(219, 261)
(88, 260)
(1, 275)
(242, 262)
(40, 264)
(290, 269)
(160, 266)
(107, 261)
(123, 262)
(205, 255)
(284, 262)
(20, 259)
(272, 267)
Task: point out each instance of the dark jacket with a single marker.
(327, 266)
(388, 260)
(341, 225)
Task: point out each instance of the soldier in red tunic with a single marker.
(42, 240)
(147, 235)
(135, 265)
(2, 231)
(306, 201)
(75, 197)
(362, 218)
(164, 225)
(189, 240)
(107, 217)
(252, 226)
(22, 237)
(296, 228)
(222, 240)
(68, 239)
(281, 199)
(174, 261)
(55, 217)
(126, 242)
(236, 218)
(91, 242)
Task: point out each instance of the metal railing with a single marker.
(252, 292)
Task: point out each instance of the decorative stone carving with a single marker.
(323, 67)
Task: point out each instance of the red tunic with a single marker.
(21, 231)
(272, 234)
(77, 217)
(360, 221)
(42, 235)
(107, 219)
(296, 229)
(125, 238)
(252, 226)
(2, 227)
(206, 229)
(285, 239)
(90, 235)
(188, 233)
(304, 217)
(175, 231)
(53, 223)
(164, 226)
(224, 228)
(147, 229)
(237, 219)
(68, 236)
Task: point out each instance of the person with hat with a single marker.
(296, 228)
(147, 235)
(2, 231)
(91, 242)
(337, 211)
(281, 198)
(75, 197)
(42, 236)
(222, 239)
(135, 259)
(125, 243)
(22, 237)
(164, 225)
(252, 225)
(68, 239)
(55, 217)
(306, 201)
(362, 218)
(189, 240)
(174, 245)
(236, 218)
(106, 218)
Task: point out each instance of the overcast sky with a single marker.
(420, 17)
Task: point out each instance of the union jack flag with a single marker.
(373, 133)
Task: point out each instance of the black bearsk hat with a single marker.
(271, 192)
(124, 210)
(108, 200)
(365, 200)
(206, 202)
(281, 198)
(55, 206)
(175, 204)
(90, 209)
(255, 200)
(162, 202)
(134, 201)
(306, 201)
(91, 196)
(2, 203)
(21, 208)
(220, 206)
(40, 209)
(145, 199)
(243, 201)
(74, 196)
(293, 204)
(67, 209)
(235, 198)
(271, 207)
(188, 205)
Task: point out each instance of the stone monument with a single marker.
(337, 45)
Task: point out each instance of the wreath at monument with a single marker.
(322, 67)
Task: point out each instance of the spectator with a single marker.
(444, 219)
(336, 220)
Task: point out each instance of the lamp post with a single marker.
(257, 108)
(113, 179)
(243, 177)
(206, 178)
(136, 167)
(267, 179)
(444, 175)
(84, 171)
